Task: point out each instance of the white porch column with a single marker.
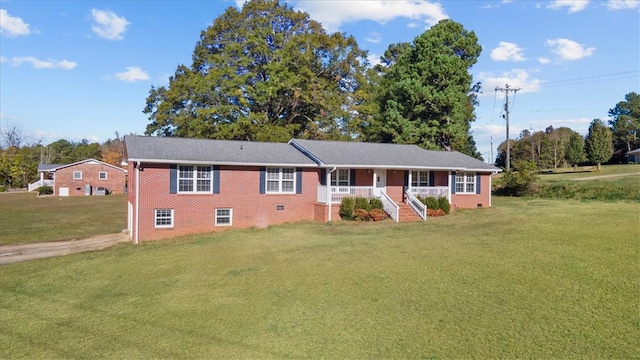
(328, 182)
(450, 187)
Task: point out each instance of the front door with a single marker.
(381, 182)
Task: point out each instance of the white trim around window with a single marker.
(77, 175)
(163, 218)
(102, 175)
(224, 217)
(193, 179)
(280, 181)
(420, 178)
(465, 183)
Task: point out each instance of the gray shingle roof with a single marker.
(359, 154)
(206, 151)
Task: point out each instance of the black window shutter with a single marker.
(216, 179)
(298, 181)
(406, 181)
(323, 176)
(453, 183)
(352, 177)
(173, 179)
(262, 179)
(478, 184)
(432, 178)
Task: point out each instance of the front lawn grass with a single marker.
(28, 218)
(525, 279)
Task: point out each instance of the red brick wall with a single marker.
(395, 185)
(472, 201)
(364, 177)
(239, 191)
(115, 181)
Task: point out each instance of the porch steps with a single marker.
(407, 214)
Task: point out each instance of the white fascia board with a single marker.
(228, 163)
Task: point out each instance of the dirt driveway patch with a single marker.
(13, 253)
(602, 177)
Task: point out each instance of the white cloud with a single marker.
(569, 49)
(40, 64)
(623, 4)
(544, 60)
(573, 5)
(374, 59)
(374, 37)
(507, 51)
(108, 25)
(11, 25)
(132, 74)
(380, 11)
(516, 78)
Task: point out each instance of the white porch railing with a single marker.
(340, 192)
(37, 184)
(431, 191)
(417, 205)
(390, 207)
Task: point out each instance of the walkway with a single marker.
(13, 253)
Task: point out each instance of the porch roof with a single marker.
(389, 156)
(207, 151)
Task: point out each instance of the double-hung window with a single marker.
(419, 178)
(281, 180)
(340, 180)
(102, 175)
(465, 183)
(163, 218)
(194, 179)
(77, 175)
(224, 217)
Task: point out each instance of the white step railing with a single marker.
(417, 205)
(389, 206)
(431, 191)
(37, 184)
(340, 192)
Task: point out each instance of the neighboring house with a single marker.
(86, 177)
(181, 186)
(633, 156)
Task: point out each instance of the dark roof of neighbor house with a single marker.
(207, 151)
(633, 152)
(48, 167)
(55, 167)
(360, 154)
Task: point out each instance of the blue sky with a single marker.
(82, 69)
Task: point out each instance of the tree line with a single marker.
(563, 147)
(19, 158)
(268, 73)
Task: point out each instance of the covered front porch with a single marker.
(373, 183)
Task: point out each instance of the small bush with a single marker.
(346, 208)
(443, 204)
(376, 204)
(377, 214)
(519, 183)
(431, 202)
(435, 212)
(362, 203)
(45, 190)
(361, 215)
(3, 188)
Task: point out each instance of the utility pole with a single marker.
(506, 90)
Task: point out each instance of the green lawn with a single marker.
(525, 279)
(27, 218)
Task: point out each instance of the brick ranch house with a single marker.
(180, 186)
(86, 177)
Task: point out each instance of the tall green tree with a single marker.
(265, 73)
(625, 124)
(574, 153)
(426, 96)
(599, 143)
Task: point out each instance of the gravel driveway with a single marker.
(13, 253)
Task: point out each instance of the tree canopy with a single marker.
(426, 95)
(625, 124)
(265, 73)
(598, 142)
